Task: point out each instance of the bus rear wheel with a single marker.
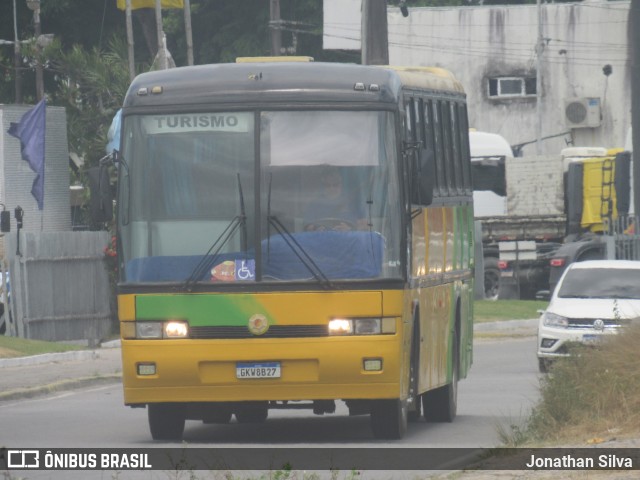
(389, 419)
(166, 420)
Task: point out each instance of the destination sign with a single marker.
(198, 122)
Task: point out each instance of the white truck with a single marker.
(520, 203)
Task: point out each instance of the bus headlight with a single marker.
(176, 329)
(340, 326)
(158, 330)
(362, 326)
(367, 326)
(148, 329)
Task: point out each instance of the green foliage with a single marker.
(91, 86)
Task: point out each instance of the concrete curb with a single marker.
(506, 325)
(59, 386)
(72, 356)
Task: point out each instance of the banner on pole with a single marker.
(135, 4)
(31, 131)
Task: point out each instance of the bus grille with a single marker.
(275, 331)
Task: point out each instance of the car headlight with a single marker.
(554, 320)
(362, 326)
(158, 330)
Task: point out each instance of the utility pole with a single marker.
(35, 6)
(539, 51)
(374, 35)
(275, 24)
(634, 37)
(162, 52)
(188, 32)
(132, 65)
(17, 58)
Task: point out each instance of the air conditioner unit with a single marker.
(582, 112)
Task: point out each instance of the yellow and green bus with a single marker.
(290, 235)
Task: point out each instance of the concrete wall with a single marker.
(535, 185)
(16, 177)
(479, 42)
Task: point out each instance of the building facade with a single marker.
(582, 81)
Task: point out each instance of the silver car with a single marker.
(592, 299)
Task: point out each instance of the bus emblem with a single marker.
(258, 324)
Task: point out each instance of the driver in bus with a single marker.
(334, 208)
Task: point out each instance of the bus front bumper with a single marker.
(309, 369)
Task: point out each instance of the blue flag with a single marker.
(31, 131)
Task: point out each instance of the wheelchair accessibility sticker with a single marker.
(234, 271)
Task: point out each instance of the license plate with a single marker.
(588, 338)
(258, 370)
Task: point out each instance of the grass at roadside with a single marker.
(488, 311)
(587, 398)
(20, 347)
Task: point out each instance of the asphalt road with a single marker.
(501, 389)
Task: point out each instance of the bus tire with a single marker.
(252, 412)
(414, 401)
(441, 404)
(166, 420)
(389, 419)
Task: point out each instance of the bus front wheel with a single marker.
(389, 419)
(441, 404)
(166, 420)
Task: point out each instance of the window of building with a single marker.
(512, 86)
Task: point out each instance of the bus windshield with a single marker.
(269, 196)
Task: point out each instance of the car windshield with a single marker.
(601, 283)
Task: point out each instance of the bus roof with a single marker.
(428, 77)
(289, 82)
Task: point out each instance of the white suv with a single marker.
(593, 298)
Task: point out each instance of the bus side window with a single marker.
(437, 141)
(417, 108)
(463, 132)
(445, 124)
(457, 157)
(429, 142)
(410, 121)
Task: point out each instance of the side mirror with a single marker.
(101, 200)
(423, 178)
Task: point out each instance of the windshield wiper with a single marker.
(206, 262)
(293, 244)
(299, 251)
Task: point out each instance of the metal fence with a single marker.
(59, 286)
(623, 238)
